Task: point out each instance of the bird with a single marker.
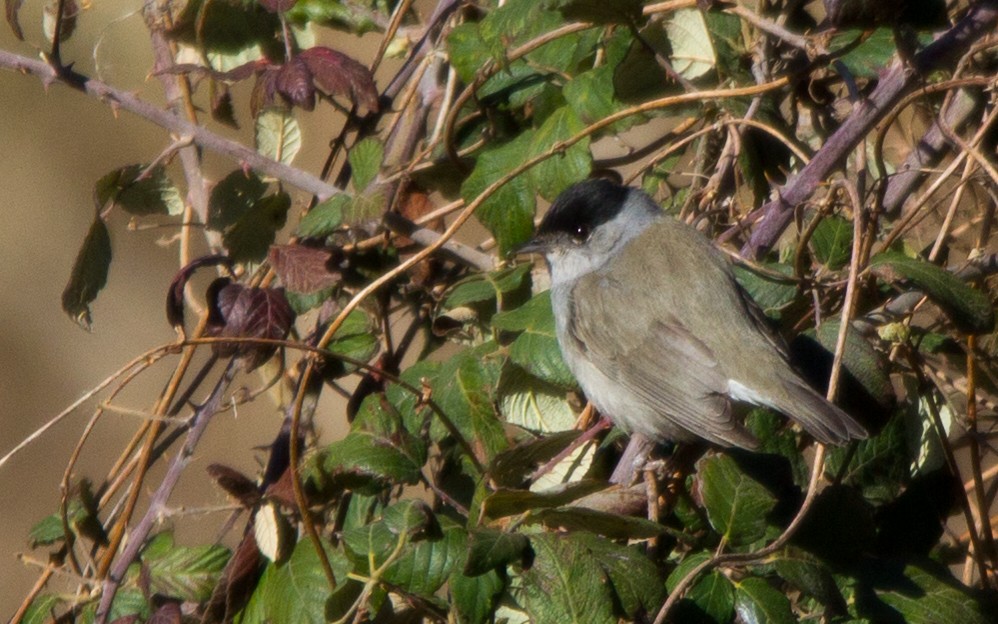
(655, 328)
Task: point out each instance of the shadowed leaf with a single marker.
(89, 274)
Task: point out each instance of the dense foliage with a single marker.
(849, 151)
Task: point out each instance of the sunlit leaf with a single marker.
(736, 504)
(278, 135)
(365, 160)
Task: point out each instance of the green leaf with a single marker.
(465, 389)
(233, 197)
(870, 57)
(879, 465)
(634, 577)
(714, 595)
(736, 504)
(968, 308)
(488, 287)
(489, 549)
(469, 52)
(297, 590)
(565, 584)
(809, 575)
(355, 338)
(591, 95)
(832, 242)
(325, 218)
(249, 238)
(624, 12)
(365, 161)
(508, 213)
(927, 596)
(692, 49)
(770, 293)
(186, 573)
(42, 609)
(536, 349)
(427, 564)
(278, 135)
(861, 361)
(511, 467)
(758, 603)
(568, 166)
(611, 525)
(153, 194)
(475, 597)
(536, 405)
(504, 503)
(363, 460)
(89, 274)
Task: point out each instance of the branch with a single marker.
(901, 78)
(201, 136)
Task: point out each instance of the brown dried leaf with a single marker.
(304, 269)
(336, 73)
(236, 484)
(238, 581)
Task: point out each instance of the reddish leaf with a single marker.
(13, 6)
(236, 484)
(175, 295)
(237, 311)
(238, 581)
(336, 73)
(278, 6)
(294, 82)
(167, 613)
(282, 490)
(304, 269)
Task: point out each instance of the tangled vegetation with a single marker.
(847, 151)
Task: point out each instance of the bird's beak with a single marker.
(535, 245)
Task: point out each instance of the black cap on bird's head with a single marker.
(577, 212)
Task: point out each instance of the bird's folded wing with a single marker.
(664, 365)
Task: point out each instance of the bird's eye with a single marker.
(580, 233)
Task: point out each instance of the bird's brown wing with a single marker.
(661, 362)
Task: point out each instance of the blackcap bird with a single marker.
(656, 330)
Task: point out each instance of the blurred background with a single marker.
(56, 144)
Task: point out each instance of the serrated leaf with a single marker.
(736, 504)
(511, 467)
(365, 161)
(832, 242)
(714, 595)
(355, 339)
(692, 49)
(154, 193)
(42, 609)
(465, 389)
(565, 584)
(809, 575)
(877, 465)
(249, 238)
(489, 549)
(591, 94)
(769, 293)
(89, 274)
(536, 349)
(185, 573)
(336, 73)
(933, 596)
(758, 603)
(634, 577)
(304, 269)
(475, 597)
(968, 308)
(487, 287)
(297, 590)
(278, 135)
(613, 526)
(363, 459)
(325, 218)
(868, 59)
(508, 213)
(555, 174)
(510, 502)
(533, 404)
